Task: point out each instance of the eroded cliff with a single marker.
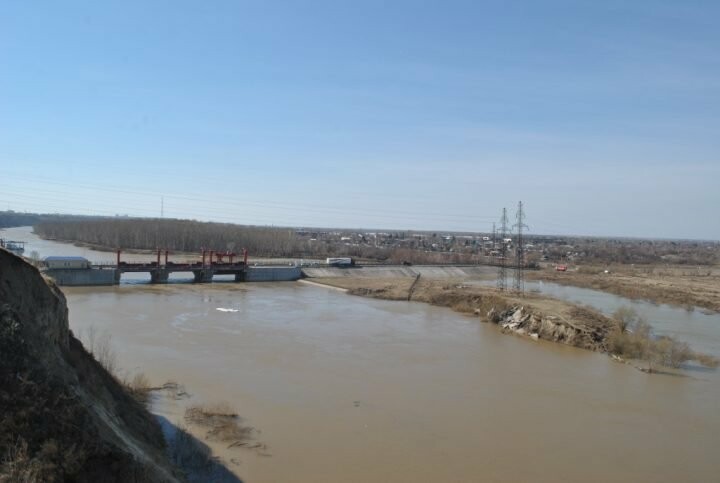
(63, 417)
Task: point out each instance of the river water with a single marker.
(344, 388)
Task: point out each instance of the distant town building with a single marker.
(17, 247)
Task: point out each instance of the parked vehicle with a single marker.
(340, 262)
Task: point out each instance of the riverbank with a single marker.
(64, 415)
(681, 286)
(538, 317)
(69, 413)
(624, 336)
(687, 287)
(360, 389)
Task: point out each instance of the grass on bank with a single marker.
(99, 345)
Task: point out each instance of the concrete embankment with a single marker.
(272, 274)
(83, 277)
(399, 271)
(323, 285)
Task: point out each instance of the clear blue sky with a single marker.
(602, 116)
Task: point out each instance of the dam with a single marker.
(78, 271)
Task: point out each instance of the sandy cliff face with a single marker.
(62, 416)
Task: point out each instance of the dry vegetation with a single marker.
(46, 434)
(65, 415)
(174, 235)
(56, 462)
(189, 236)
(193, 458)
(680, 286)
(632, 338)
(222, 424)
(139, 387)
(99, 345)
(627, 251)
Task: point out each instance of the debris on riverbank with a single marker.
(521, 321)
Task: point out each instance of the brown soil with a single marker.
(680, 286)
(62, 415)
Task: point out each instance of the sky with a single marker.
(602, 117)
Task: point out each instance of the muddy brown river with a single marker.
(350, 389)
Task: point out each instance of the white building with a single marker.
(66, 262)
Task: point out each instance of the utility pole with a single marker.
(502, 269)
(493, 238)
(519, 279)
(162, 207)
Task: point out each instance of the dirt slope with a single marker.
(62, 416)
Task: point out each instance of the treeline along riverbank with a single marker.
(174, 235)
(260, 241)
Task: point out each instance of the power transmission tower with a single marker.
(502, 269)
(519, 279)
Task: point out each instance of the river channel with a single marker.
(344, 388)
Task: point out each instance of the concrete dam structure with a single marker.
(83, 276)
(78, 271)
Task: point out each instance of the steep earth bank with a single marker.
(63, 417)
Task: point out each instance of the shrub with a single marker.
(632, 338)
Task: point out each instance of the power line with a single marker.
(218, 198)
(502, 269)
(494, 236)
(208, 207)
